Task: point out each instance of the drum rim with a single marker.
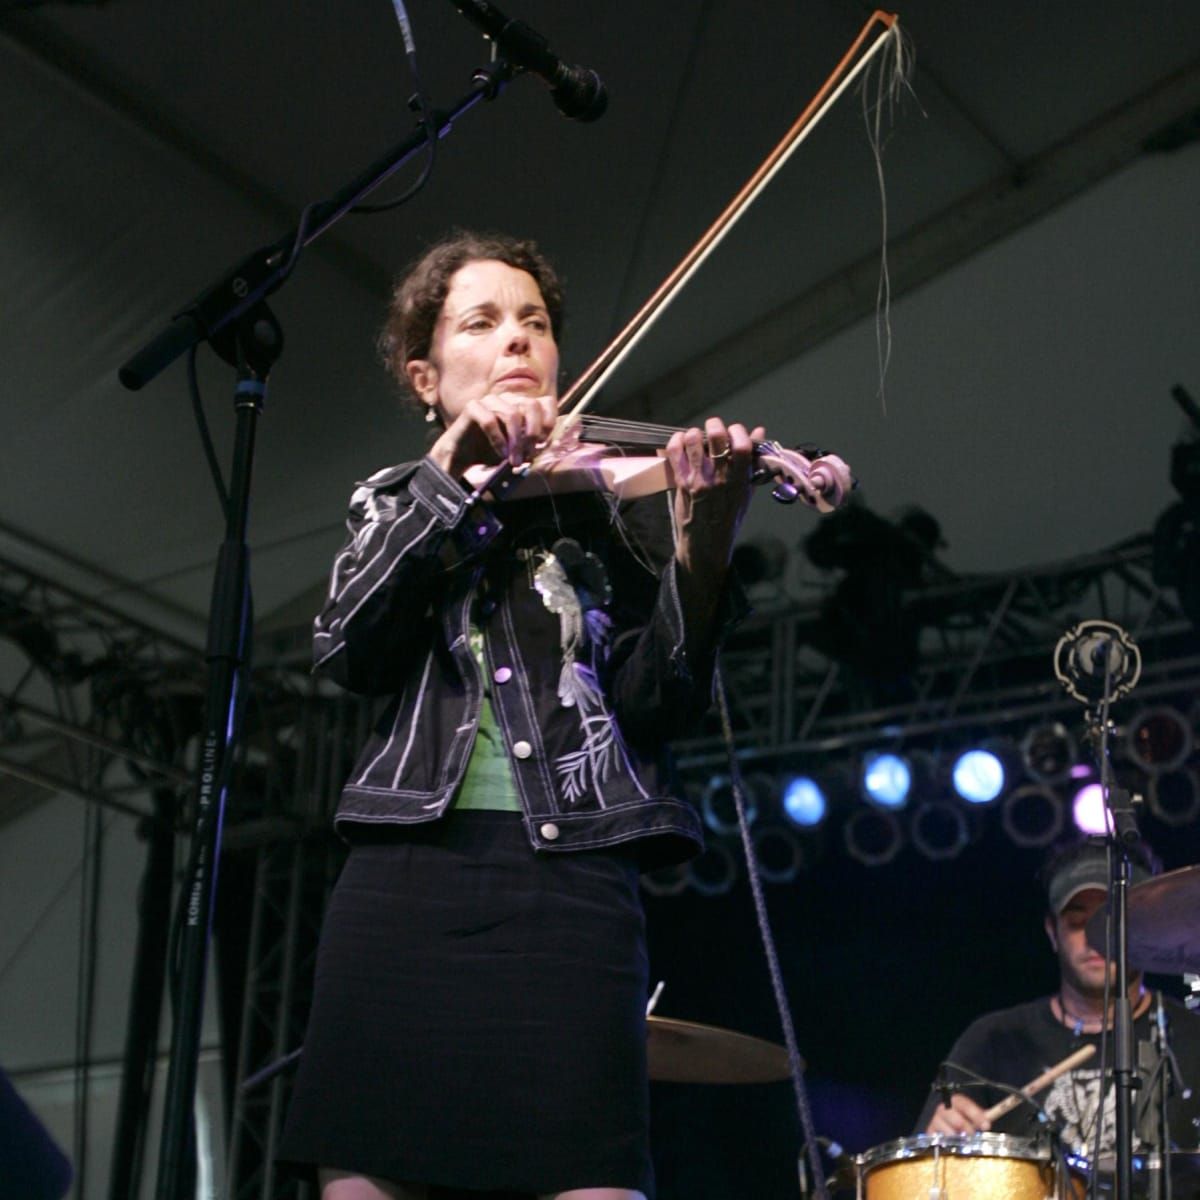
(972, 1145)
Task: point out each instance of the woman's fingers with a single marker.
(717, 437)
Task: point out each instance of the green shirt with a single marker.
(488, 781)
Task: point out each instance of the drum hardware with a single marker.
(979, 1166)
(1192, 983)
(1182, 1174)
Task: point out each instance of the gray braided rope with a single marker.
(800, 1090)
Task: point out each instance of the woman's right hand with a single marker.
(500, 427)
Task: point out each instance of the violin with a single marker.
(588, 452)
(596, 453)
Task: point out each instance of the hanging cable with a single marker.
(803, 1108)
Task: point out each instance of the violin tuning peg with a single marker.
(785, 493)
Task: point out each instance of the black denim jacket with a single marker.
(586, 746)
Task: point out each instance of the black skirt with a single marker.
(478, 1020)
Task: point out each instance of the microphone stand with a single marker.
(1122, 830)
(231, 314)
(1098, 662)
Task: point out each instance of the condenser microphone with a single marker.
(577, 92)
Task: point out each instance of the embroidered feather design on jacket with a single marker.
(573, 585)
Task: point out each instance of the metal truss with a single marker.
(292, 880)
(297, 859)
(83, 687)
(982, 661)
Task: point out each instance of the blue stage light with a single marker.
(804, 803)
(886, 780)
(978, 776)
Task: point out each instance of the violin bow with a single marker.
(853, 63)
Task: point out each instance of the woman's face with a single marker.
(493, 336)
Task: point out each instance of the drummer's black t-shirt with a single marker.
(1015, 1045)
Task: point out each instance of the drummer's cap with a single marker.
(1084, 865)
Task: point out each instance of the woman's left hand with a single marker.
(712, 470)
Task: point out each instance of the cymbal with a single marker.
(1164, 933)
(688, 1052)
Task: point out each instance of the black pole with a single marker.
(231, 313)
(1124, 1069)
(1122, 832)
(145, 1005)
(265, 270)
(256, 343)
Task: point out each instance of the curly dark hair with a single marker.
(418, 297)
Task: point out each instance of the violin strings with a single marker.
(638, 433)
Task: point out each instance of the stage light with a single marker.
(778, 854)
(1158, 739)
(714, 871)
(1048, 752)
(1174, 796)
(667, 881)
(886, 780)
(804, 801)
(939, 830)
(1089, 811)
(718, 808)
(1032, 815)
(978, 776)
(873, 836)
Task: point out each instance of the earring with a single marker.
(430, 414)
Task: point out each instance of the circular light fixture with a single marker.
(1089, 810)
(713, 872)
(978, 776)
(667, 881)
(778, 854)
(1159, 739)
(939, 830)
(873, 836)
(719, 810)
(804, 801)
(1174, 796)
(886, 780)
(1032, 815)
(1048, 752)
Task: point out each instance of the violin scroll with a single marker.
(818, 479)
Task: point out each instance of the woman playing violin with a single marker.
(478, 1020)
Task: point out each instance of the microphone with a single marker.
(1096, 654)
(577, 92)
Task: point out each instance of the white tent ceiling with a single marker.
(1046, 273)
(147, 146)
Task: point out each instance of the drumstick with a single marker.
(1043, 1080)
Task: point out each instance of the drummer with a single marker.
(1015, 1045)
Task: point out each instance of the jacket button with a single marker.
(502, 674)
(522, 749)
(550, 831)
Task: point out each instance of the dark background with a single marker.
(884, 966)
